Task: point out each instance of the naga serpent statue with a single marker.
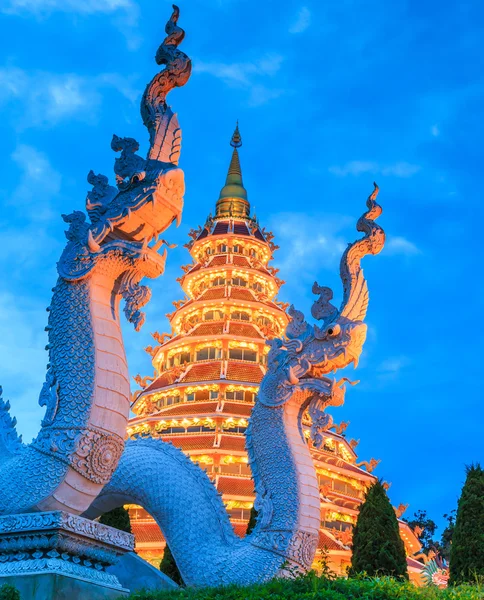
(180, 496)
(79, 461)
(86, 392)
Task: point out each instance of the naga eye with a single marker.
(333, 330)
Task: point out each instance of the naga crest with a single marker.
(148, 197)
(301, 360)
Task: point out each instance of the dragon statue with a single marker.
(80, 463)
(180, 496)
(86, 392)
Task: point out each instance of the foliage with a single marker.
(252, 520)
(428, 526)
(117, 518)
(169, 567)
(467, 551)
(313, 587)
(447, 534)
(8, 592)
(377, 546)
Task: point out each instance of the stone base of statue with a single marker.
(59, 556)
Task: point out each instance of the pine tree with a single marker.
(169, 567)
(467, 550)
(117, 518)
(377, 546)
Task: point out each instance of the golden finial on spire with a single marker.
(236, 141)
(233, 196)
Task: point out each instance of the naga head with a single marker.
(299, 363)
(127, 219)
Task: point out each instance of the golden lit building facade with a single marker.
(207, 372)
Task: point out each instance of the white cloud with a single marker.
(247, 75)
(393, 365)
(74, 6)
(241, 73)
(357, 167)
(302, 21)
(39, 177)
(50, 97)
(301, 243)
(400, 245)
(23, 359)
(125, 13)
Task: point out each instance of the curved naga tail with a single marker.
(355, 288)
(162, 123)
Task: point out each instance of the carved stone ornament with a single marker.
(97, 455)
(58, 542)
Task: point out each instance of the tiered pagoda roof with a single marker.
(209, 366)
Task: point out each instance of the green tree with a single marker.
(467, 550)
(117, 518)
(428, 526)
(252, 520)
(446, 538)
(377, 546)
(169, 567)
(9, 592)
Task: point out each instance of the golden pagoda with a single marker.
(207, 372)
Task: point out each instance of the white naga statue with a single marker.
(80, 461)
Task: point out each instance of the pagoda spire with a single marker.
(232, 200)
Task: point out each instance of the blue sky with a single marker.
(330, 96)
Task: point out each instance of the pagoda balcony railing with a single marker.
(187, 433)
(344, 489)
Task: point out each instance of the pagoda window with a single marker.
(236, 429)
(239, 281)
(175, 430)
(240, 315)
(218, 281)
(213, 315)
(264, 321)
(234, 395)
(243, 354)
(169, 400)
(253, 253)
(179, 359)
(208, 353)
(238, 249)
(201, 395)
(214, 395)
(339, 525)
(222, 248)
(258, 286)
(208, 250)
(240, 395)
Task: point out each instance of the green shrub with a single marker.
(467, 548)
(378, 549)
(313, 587)
(117, 518)
(8, 592)
(169, 567)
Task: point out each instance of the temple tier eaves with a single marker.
(208, 369)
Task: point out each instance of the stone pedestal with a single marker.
(56, 555)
